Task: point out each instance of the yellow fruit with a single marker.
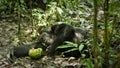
(35, 53)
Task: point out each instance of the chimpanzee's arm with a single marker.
(22, 51)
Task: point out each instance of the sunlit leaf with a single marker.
(71, 43)
(70, 50)
(60, 11)
(81, 47)
(67, 46)
(83, 55)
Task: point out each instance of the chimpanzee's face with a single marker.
(46, 38)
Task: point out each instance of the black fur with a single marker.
(63, 32)
(22, 51)
(58, 34)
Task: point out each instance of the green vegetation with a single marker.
(100, 18)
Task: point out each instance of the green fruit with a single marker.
(35, 53)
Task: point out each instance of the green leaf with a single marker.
(70, 50)
(71, 43)
(65, 46)
(22, 1)
(81, 47)
(83, 55)
(60, 11)
(68, 45)
(89, 63)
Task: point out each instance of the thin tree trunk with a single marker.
(106, 35)
(19, 27)
(95, 36)
(31, 15)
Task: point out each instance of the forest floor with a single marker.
(8, 32)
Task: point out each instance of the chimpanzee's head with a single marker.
(46, 37)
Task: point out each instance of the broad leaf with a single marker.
(70, 50)
(68, 45)
(65, 46)
(81, 47)
(71, 43)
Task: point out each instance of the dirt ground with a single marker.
(8, 31)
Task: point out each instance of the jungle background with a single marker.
(21, 20)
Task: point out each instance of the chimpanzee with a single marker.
(62, 33)
(58, 34)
